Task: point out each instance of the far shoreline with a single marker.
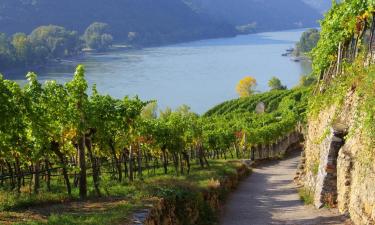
(120, 46)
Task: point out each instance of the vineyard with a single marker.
(344, 60)
(343, 64)
(56, 140)
(60, 144)
(284, 110)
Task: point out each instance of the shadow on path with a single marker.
(269, 196)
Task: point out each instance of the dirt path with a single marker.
(269, 196)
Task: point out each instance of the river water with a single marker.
(199, 74)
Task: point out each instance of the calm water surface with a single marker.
(199, 74)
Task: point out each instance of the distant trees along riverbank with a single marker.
(308, 41)
(51, 42)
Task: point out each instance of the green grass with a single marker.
(306, 196)
(315, 168)
(131, 196)
(115, 215)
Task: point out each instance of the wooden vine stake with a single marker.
(339, 56)
(372, 38)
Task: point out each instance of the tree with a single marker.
(6, 51)
(308, 41)
(307, 80)
(22, 48)
(54, 41)
(45, 42)
(275, 84)
(150, 111)
(97, 36)
(246, 86)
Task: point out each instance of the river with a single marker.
(199, 74)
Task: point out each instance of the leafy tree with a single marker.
(22, 48)
(246, 86)
(275, 84)
(150, 111)
(97, 36)
(55, 41)
(307, 80)
(308, 41)
(6, 51)
(45, 42)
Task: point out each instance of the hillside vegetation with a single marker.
(57, 143)
(343, 63)
(340, 142)
(255, 15)
(50, 42)
(283, 111)
(150, 22)
(154, 22)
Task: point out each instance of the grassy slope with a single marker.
(270, 99)
(120, 200)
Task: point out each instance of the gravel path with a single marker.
(268, 196)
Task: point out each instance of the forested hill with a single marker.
(153, 21)
(321, 5)
(261, 15)
(157, 21)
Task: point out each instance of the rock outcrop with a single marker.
(334, 166)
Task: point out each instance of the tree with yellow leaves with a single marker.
(246, 86)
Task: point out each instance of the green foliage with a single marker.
(307, 80)
(97, 36)
(150, 111)
(54, 41)
(229, 122)
(126, 198)
(50, 42)
(308, 41)
(6, 51)
(138, 22)
(315, 168)
(346, 26)
(275, 84)
(359, 78)
(340, 25)
(62, 127)
(44, 43)
(15, 201)
(307, 196)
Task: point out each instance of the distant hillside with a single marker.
(259, 15)
(321, 5)
(154, 21)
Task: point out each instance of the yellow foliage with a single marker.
(246, 86)
(213, 183)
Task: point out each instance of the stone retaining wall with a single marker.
(202, 209)
(195, 211)
(337, 169)
(279, 148)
